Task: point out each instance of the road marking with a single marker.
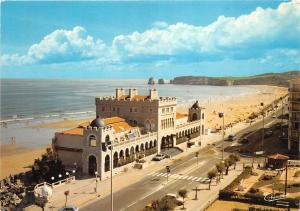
(189, 178)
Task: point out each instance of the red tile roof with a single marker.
(180, 115)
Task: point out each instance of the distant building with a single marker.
(294, 117)
(137, 125)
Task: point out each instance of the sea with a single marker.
(26, 99)
(26, 103)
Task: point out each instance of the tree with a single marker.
(235, 158)
(228, 163)
(183, 194)
(67, 192)
(212, 174)
(220, 168)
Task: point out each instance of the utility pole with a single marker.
(221, 115)
(196, 192)
(285, 184)
(110, 145)
(281, 116)
(263, 127)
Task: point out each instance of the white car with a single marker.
(69, 208)
(159, 157)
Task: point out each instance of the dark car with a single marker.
(268, 133)
(231, 137)
(244, 141)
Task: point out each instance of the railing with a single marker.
(136, 139)
(58, 183)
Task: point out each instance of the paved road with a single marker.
(136, 196)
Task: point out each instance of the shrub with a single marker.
(297, 174)
(253, 190)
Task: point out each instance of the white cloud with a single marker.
(254, 35)
(61, 46)
(263, 28)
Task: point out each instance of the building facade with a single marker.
(294, 117)
(136, 125)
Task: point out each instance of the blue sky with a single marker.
(143, 39)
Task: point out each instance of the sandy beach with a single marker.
(15, 158)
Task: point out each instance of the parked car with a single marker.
(231, 137)
(268, 133)
(244, 141)
(178, 201)
(159, 157)
(69, 208)
(274, 116)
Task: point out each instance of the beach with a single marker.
(16, 157)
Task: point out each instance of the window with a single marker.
(118, 110)
(103, 108)
(130, 109)
(202, 115)
(92, 141)
(114, 109)
(171, 109)
(150, 109)
(167, 110)
(163, 110)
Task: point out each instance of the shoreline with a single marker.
(14, 157)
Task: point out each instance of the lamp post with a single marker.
(110, 146)
(281, 116)
(263, 127)
(221, 115)
(59, 176)
(96, 175)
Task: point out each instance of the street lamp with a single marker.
(263, 126)
(67, 174)
(109, 145)
(221, 115)
(59, 176)
(96, 175)
(52, 178)
(281, 98)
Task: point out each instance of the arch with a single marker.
(154, 143)
(179, 134)
(194, 117)
(121, 154)
(107, 163)
(142, 147)
(92, 165)
(137, 148)
(131, 150)
(147, 145)
(186, 133)
(116, 160)
(107, 139)
(151, 144)
(127, 152)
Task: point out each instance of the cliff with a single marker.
(277, 79)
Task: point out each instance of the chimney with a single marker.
(153, 94)
(119, 92)
(132, 93)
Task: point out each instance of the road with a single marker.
(136, 196)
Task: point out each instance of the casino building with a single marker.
(137, 126)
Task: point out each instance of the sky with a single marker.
(140, 39)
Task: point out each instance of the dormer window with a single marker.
(92, 141)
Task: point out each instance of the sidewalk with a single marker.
(205, 196)
(82, 191)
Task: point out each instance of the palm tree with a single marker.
(212, 174)
(183, 194)
(67, 192)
